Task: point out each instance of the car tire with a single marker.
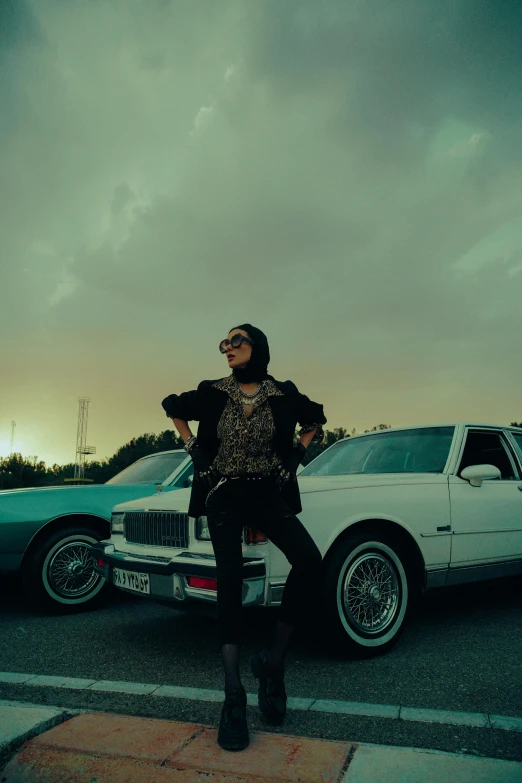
(58, 575)
(366, 594)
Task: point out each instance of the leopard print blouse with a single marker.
(246, 441)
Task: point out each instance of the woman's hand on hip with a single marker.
(201, 465)
(296, 457)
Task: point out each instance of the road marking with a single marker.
(477, 719)
(77, 683)
(392, 712)
(356, 708)
(118, 686)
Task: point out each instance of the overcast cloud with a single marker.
(346, 175)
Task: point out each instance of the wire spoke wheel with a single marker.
(371, 593)
(58, 573)
(366, 593)
(70, 570)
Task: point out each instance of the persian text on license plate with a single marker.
(131, 580)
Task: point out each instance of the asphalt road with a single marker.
(462, 650)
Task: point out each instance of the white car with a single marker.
(394, 513)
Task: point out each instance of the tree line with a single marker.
(17, 471)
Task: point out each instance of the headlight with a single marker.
(117, 523)
(202, 531)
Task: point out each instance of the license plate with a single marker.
(131, 580)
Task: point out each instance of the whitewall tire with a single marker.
(367, 593)
(59, 572)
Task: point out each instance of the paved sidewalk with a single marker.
(110, 748)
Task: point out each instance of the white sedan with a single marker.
(394, 513)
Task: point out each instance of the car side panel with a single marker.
(14, 538)
(23, 514)
(9, 563)
(419, 506)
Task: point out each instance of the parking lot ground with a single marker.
(451, 684)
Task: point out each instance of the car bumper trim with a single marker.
(168, 579)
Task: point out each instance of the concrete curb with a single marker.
(390, 711)
(21, 722)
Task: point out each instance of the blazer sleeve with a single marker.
(183, 406)
(310, 416)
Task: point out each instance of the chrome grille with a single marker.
(157, 528)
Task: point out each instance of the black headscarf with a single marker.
(256, 369)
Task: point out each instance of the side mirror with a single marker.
(476, 474)
(188, 481)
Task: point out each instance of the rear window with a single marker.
(406, 451)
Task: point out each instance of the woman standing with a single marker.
(245, 467)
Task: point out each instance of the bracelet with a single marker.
(190, 442)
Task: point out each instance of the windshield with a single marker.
(408, 451)
(150, 470)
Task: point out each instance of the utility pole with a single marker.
(13, 427)
(81, 439)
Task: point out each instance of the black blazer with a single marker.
(206, 404)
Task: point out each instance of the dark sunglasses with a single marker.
(235, 342)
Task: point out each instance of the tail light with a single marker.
(202, 582)
(253, 536)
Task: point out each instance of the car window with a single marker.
(150, 470)
(182, 479)
(422, 450)
(487, 448)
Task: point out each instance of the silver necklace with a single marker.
(248, 399)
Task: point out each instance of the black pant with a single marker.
(258, 502)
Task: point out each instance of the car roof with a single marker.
(155, 453)
(438, 424)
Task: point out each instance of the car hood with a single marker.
(160, 502)
(179, 501)
(92, 488)
(40, 503)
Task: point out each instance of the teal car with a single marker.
(46, 533)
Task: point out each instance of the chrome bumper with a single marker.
(168, 576)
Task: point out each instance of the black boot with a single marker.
(233, 727)
(271, 694)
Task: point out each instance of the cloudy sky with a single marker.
(344, 174)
